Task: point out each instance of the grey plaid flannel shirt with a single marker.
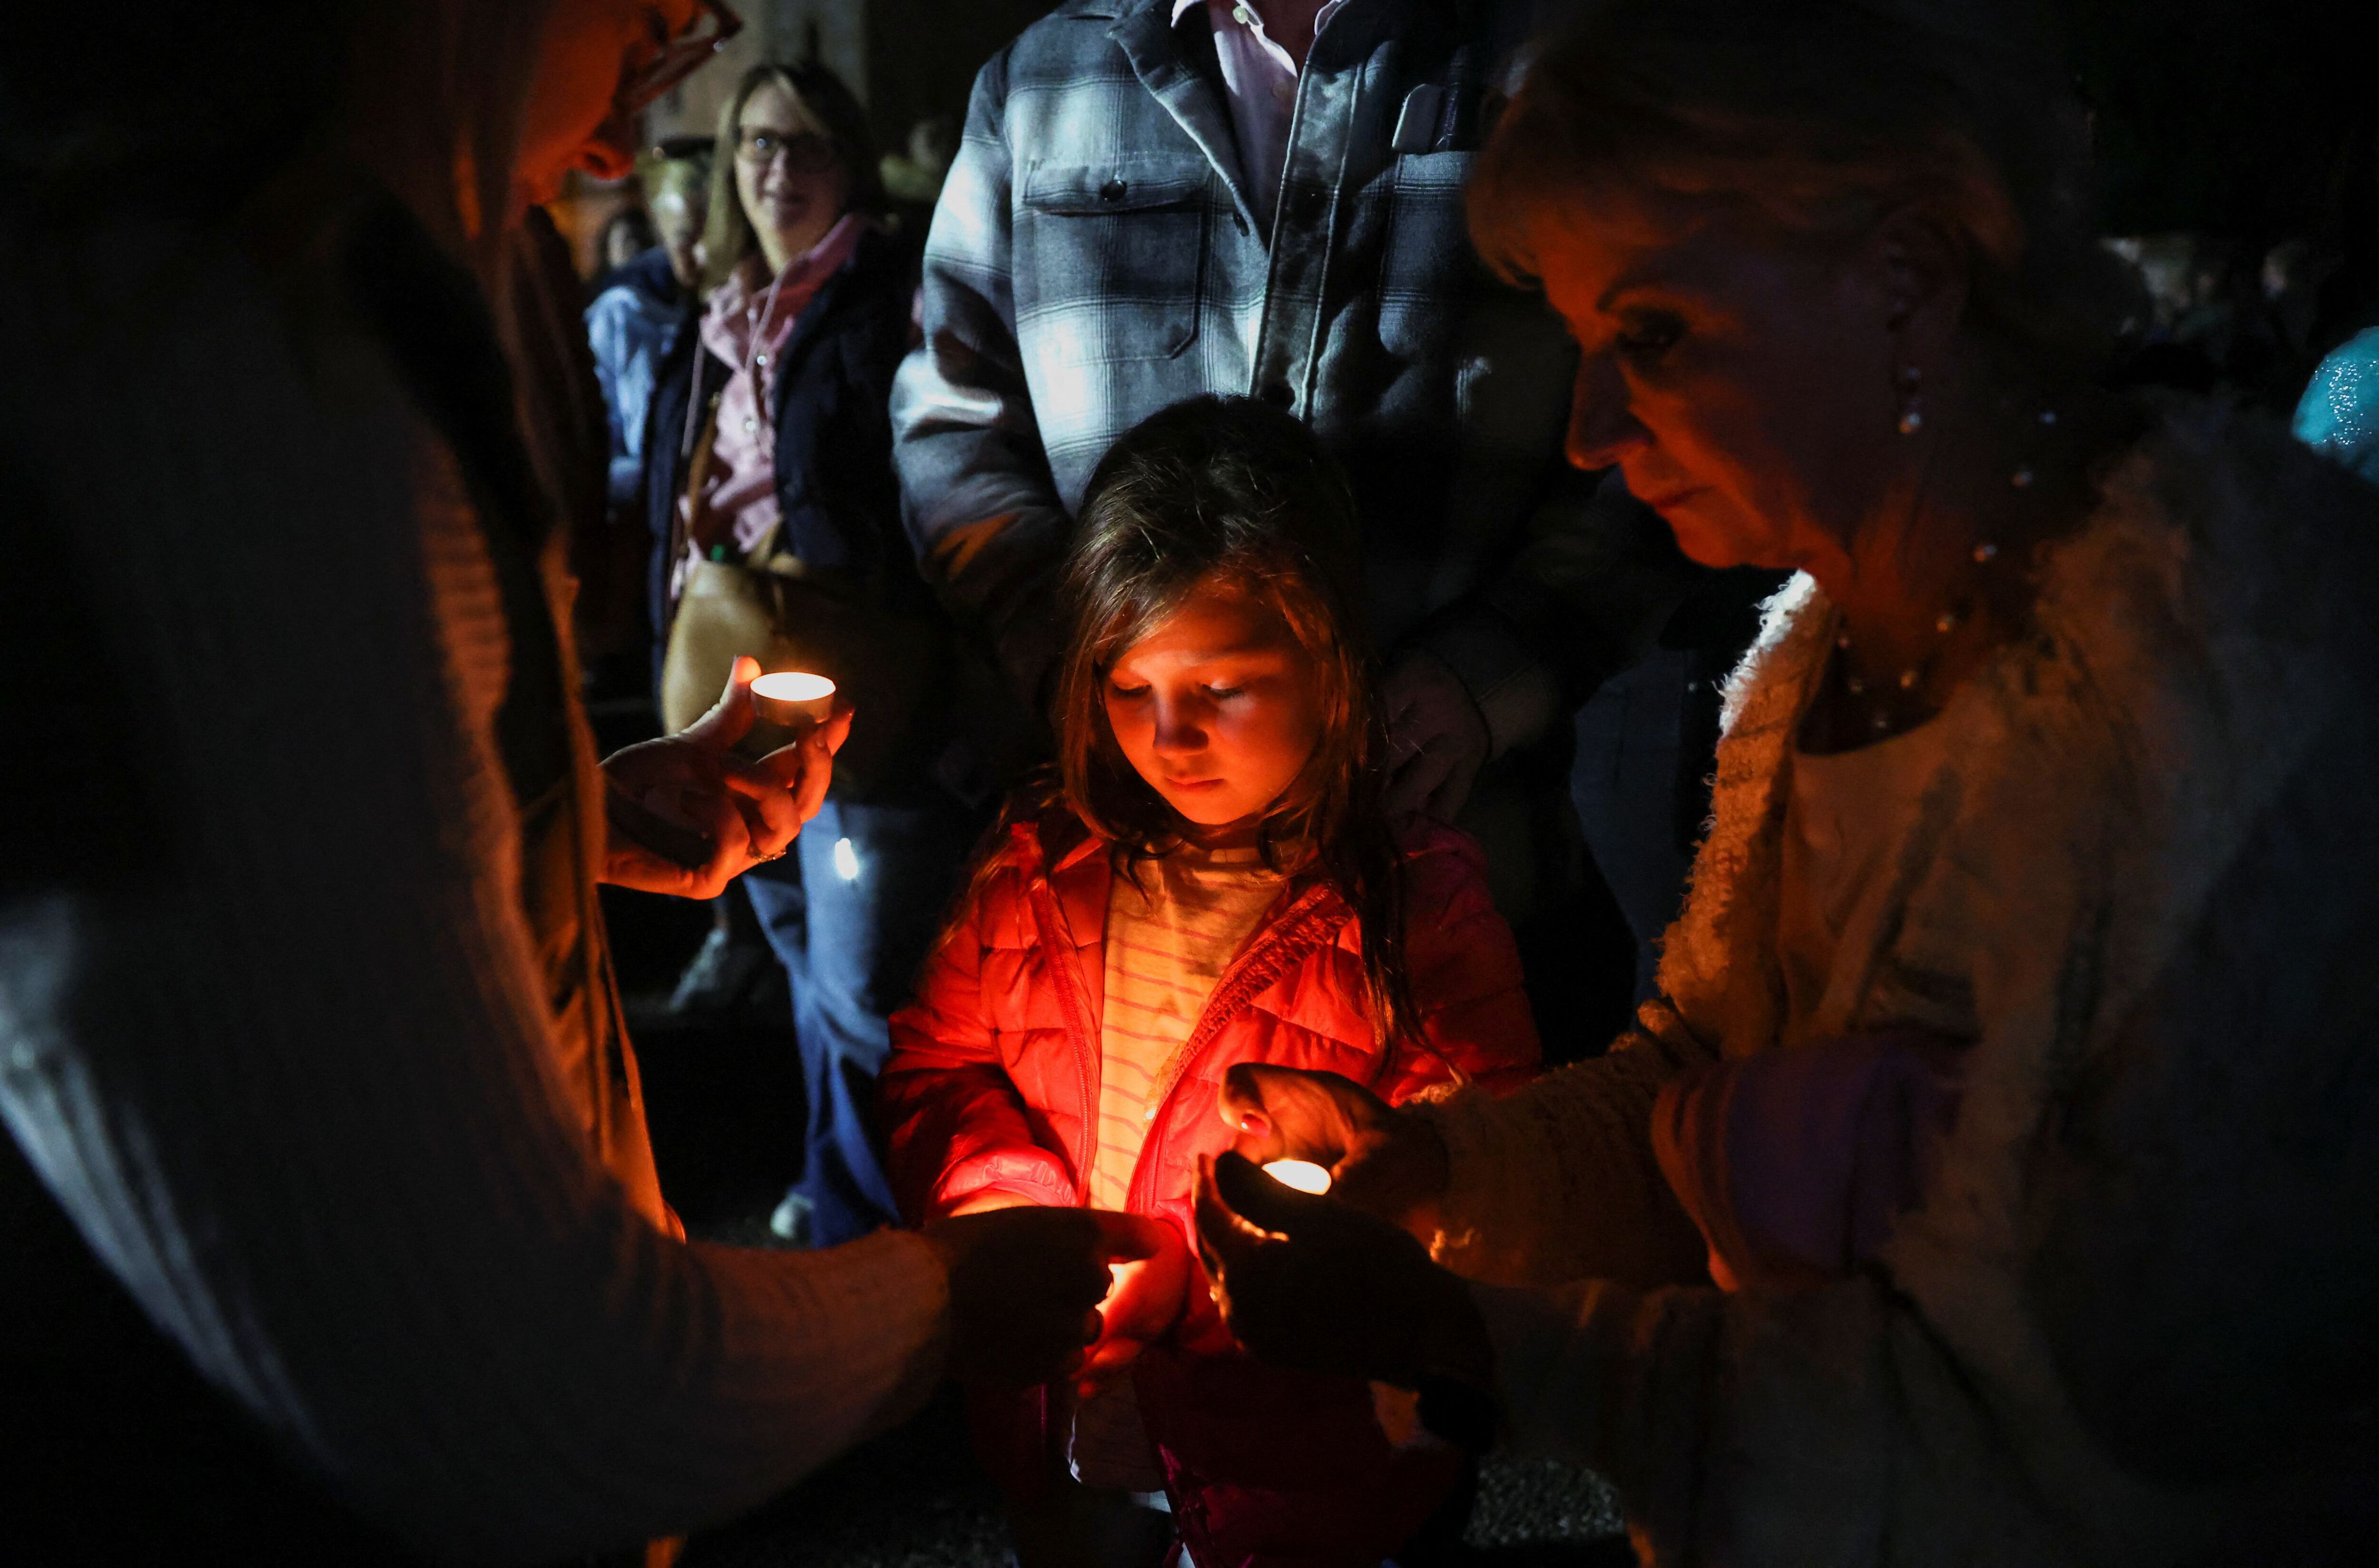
(1096, 256)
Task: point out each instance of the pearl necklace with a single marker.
(1895, 711)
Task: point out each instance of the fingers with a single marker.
(805, 768)
(789, 762)
(788, 786)
(1453, 791)
(1289, 1113)
(1240, 1102)
(770, 812)
(1225, 1239)
(1105, 1365)
(1412, 786)
(731, 717)
(1128, 1238)
(1271, 1206)
(837, 728)
(1025, 1287)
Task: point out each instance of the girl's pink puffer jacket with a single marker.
(993, 1084)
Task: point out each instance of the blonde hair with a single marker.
(1824, 115)
(826, 108)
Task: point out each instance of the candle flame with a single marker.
(792, 686)
(1302, 1175)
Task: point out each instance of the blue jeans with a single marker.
(851, 944)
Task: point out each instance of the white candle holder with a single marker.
(786, 706)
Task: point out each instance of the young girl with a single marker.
(1210, 879)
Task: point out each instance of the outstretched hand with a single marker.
(1026, 1283)
(1380, 1160)
(1310, 1283)
(688, 815)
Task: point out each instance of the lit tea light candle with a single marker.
(793, 697)
(786, 706)
(1302, 1175)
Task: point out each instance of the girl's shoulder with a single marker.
(1036, 840)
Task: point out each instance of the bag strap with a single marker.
(697, 469)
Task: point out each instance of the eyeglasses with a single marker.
(674, 58)
(805, 153)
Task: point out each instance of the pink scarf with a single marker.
(747, 323)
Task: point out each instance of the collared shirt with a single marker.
(1259, 78)
(1098, 254)
(748, 320)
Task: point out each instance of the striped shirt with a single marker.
(1166, 945)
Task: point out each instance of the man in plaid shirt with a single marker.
(1156, 199)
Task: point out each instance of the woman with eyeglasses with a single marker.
(328, 1229)
(776, 525)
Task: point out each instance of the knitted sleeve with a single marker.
(292, 1076)
(1557, 1181)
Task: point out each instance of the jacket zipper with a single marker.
(1059, 941)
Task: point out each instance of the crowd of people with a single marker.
(1322, 462)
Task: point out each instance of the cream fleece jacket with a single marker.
(297, 1083)
(2130, 1320)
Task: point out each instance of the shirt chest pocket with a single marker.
(1427, 263)
(1110, 257)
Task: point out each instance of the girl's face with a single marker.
(1219, 707)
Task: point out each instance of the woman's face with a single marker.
(792, 186)
(1742, 379)
(1218, 708)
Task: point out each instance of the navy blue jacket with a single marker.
(835, 483)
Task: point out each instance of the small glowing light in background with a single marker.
(846, 865)
(1302, 1175)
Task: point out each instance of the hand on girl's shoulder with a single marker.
(1444, 871)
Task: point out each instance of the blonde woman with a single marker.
(773, 454)
(2011, 1077)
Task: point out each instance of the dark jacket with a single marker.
(832, 397)
(992, 1086)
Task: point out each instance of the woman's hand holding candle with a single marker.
(1145, 1300)
(1309, 1282)
(1375, 1158)
(688, 814)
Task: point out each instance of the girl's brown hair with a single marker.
(1234, 493)
(830, 111)
(1825, 115)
